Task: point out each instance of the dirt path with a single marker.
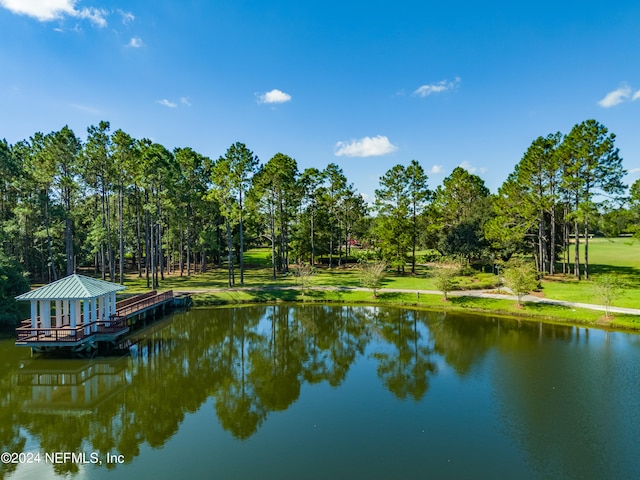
(454, 293)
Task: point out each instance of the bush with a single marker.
(608, 287)
(372, 274)
(13, 282)
(520, 276)
(303, 273)
(362, 256)
(444, 280)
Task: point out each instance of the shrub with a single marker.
(608, 287)
(372, 274)
(444, 280)
(303, 273)
(520, 276)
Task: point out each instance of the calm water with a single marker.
(331, 392)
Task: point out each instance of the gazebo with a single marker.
(72, 302)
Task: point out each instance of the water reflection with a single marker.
(252, 361)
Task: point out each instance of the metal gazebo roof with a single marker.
(73, 287)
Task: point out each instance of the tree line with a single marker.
(112, 203)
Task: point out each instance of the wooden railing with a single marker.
(142, 304)
(134, 299)
(68, 334)
(66, 319)
(116, 323)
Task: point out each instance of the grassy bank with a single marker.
(612, 256)
(530, 311)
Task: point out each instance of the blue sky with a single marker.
(364, 84)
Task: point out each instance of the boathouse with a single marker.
(69, 310)
(79, 313)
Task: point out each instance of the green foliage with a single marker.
(460, 209)
(303, 273)
(393, 225)
(444, 279)
(13, 282)
(520, 277)
(607, 288)
(372, 274)
(370, 255)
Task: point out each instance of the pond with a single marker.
(318, 391)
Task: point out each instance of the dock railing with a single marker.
(142, 304)
(68, 334)
(115, 324)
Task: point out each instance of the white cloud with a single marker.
(97, 16)
(135, 42)
(442, 86)
(366, 147)
(47, 10)
(436, 169)
(167, 103)
(185, 101)
(274, 96)
(468, 167)
(616, 97)
(127, 17)
(43, 10)
(636, 95)
(634, 170)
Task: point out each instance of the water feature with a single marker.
(316, 391)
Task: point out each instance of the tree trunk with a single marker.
(273, 242)
(152, 250)
(586, 249)
(138, 237)
(241, 259)
(552, 251)
(413, 241)
(147, 253)
(230, 254)
(576, 260)
(181, 248)
(120, 231)
(313, 247)
(46, 219)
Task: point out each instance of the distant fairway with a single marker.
(620, 256)
(611, 254)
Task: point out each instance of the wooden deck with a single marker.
(100, 330)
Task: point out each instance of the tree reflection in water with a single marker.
(249, 362)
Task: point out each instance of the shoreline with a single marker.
(467, 301)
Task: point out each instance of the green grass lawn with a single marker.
(619, 256)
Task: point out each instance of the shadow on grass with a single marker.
(390, 296)
(545, 307)
(272, 295)
(629, 275)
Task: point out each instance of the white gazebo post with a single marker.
(102, 299)
(34, 314)
(78, 311)
(95, 310)
(72, 316)
(79, 302)
(87, 314)
(112, 305)
(92, 309)
(46, 321)
(58, 313)
(65, 310)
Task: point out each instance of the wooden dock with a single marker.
(86, 336)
